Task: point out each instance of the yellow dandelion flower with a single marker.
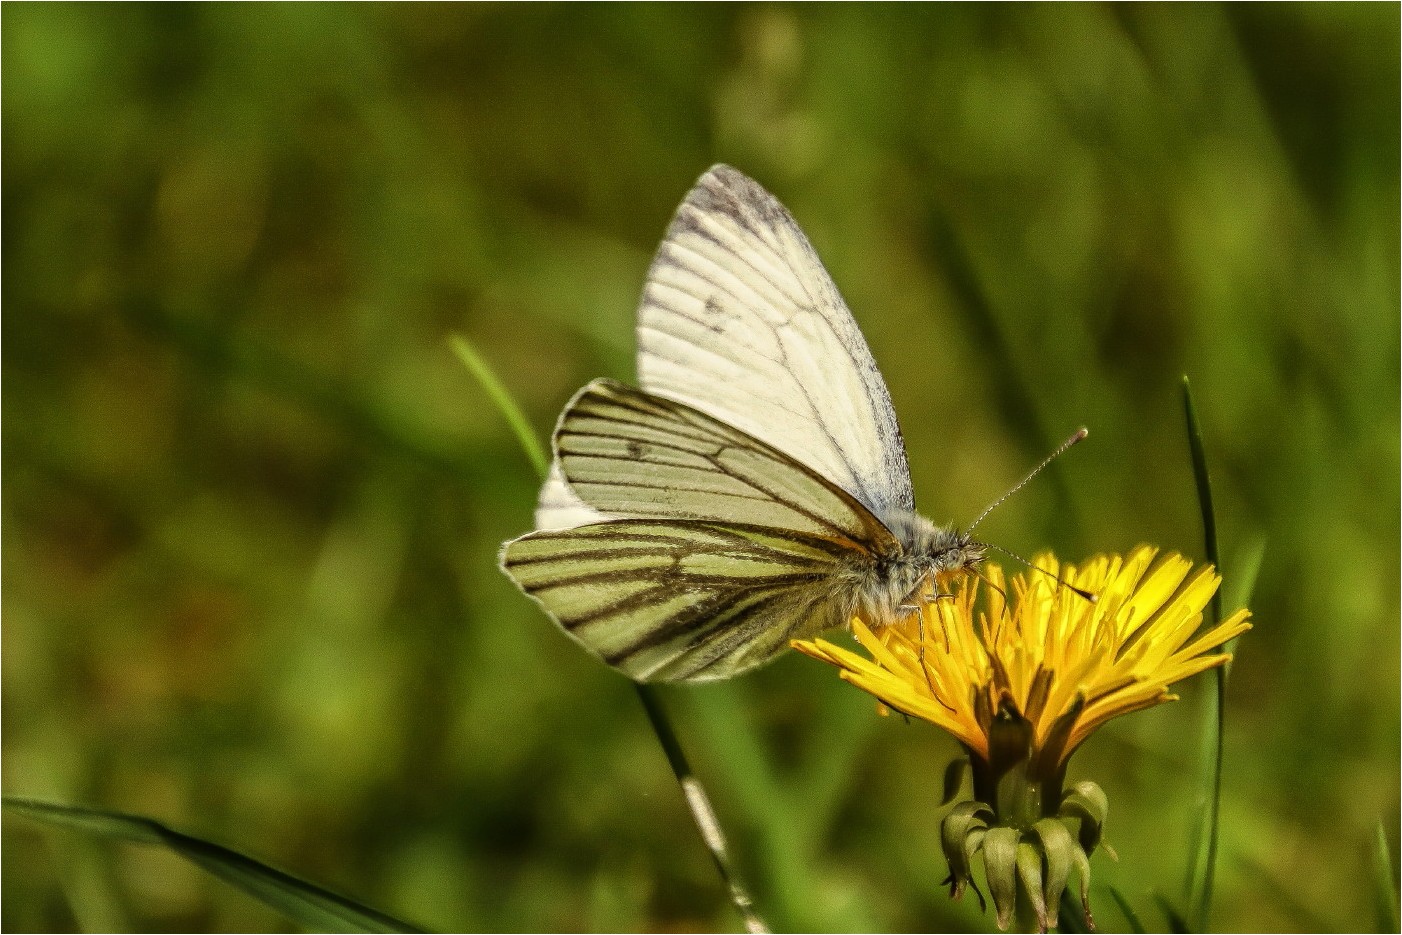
(1023, 676)
(1063, 663)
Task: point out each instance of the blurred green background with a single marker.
(252, 502)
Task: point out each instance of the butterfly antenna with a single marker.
(1057, 578)
(1079, 435)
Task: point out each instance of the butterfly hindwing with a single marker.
(680, 600)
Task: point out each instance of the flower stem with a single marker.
(697, 801)
(702, 812)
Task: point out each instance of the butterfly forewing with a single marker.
(673, 600)
(740, 320)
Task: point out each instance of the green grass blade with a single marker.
(1204, 487)
(311, 906)
(1246, 565)
(1248, 562)
(1071, 917)
(1275, 887)
(1203, 856)
(1177, 924)
(1386, 891)
(520, 426)
(1131, 917)
(215, 352)
(1016, 401)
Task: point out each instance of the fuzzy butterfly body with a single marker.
(755, 489)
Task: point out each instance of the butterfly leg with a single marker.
(920, 624)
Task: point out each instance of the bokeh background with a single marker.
(252, 502)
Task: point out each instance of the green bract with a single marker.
(1034, 861)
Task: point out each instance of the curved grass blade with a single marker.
(1177, 924)
(1131, 917)
(1071, 919)
(503, 401)
(309, 905)
(216, 353)
(1014, 398)
(1274, 886)
(1246, 565)
(1388, 916)
(698, 802)
(1204, 488)
(1204, 845)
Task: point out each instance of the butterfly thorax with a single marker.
(890, 583)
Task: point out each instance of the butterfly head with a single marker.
(937, 551)
(961, 555)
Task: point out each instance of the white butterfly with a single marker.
(755, 489)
